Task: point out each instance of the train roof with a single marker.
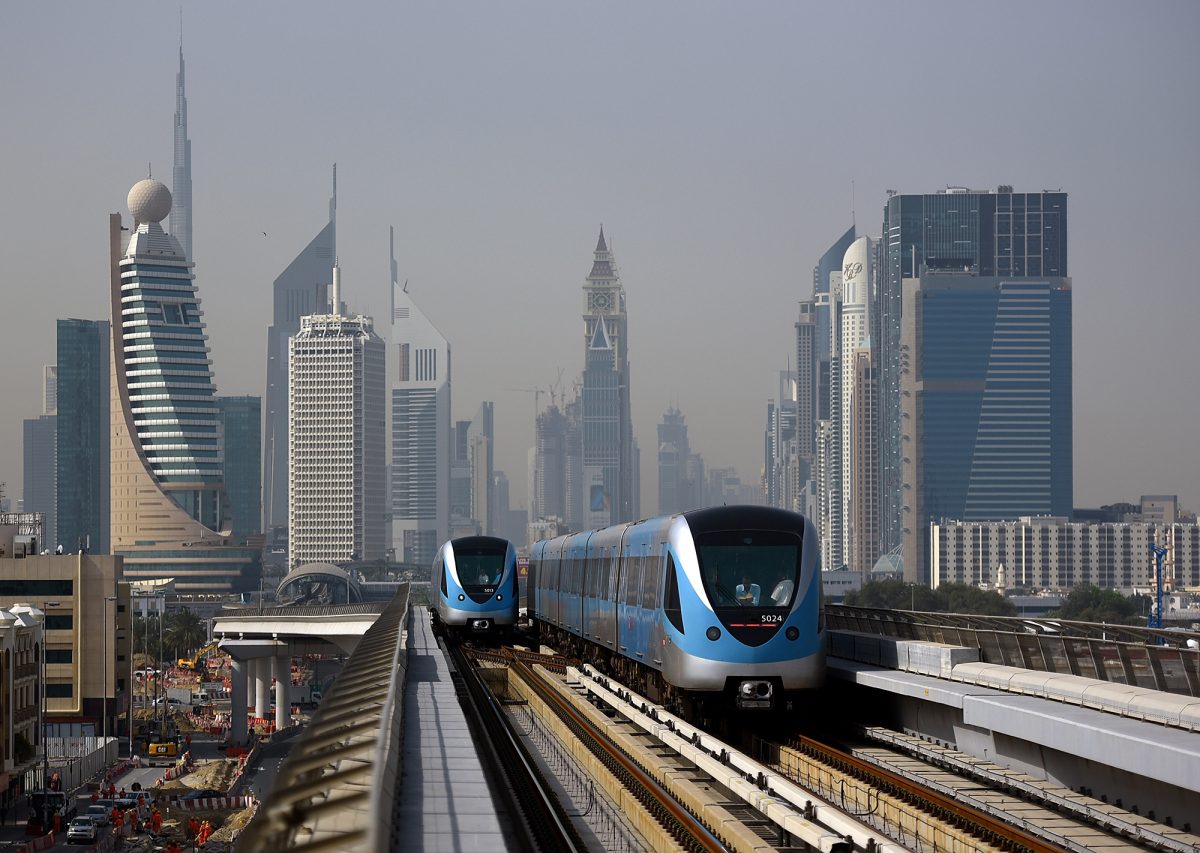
(742, 517)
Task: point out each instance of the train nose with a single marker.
(755, 693)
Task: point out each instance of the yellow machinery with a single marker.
(163, 750)
(194, 661)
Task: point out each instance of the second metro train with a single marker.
(715, 604)
(475, 584)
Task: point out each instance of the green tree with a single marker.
(962, 598)
(947, 598)
(893, 595)
(1088, 603)
(183, 632)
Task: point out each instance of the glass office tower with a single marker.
(975, 359)
(241, 419)
(83, 425)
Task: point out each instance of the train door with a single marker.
(646, 600)
(607, 571)
(628, 598)
(657, 634)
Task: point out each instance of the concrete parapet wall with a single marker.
(936, 659)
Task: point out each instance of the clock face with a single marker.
(600, 301)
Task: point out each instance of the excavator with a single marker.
(193, 662)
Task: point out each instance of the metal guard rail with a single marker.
(336, 790)
(1155, 658)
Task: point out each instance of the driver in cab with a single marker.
(747, 593)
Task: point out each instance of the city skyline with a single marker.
(690, 219)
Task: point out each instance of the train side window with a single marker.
(650, 579)
(633, 580)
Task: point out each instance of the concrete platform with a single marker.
(444, 802)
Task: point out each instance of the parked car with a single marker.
(82, 830)
(98, 814)
(201, 793)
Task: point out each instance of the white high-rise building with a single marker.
(858, 271)
(420, 401)
(336, 439)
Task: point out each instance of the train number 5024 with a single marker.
(772, 617)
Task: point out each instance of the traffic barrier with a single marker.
(202, 804)
(45, 842)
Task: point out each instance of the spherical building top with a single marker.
(149, 201)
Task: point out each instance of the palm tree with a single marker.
(183, 632)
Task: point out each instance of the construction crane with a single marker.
(537, 397)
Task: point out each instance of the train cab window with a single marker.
(480, 567)
(754, 568)
(671, 606)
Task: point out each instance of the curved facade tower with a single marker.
(858, 273)
(170, 515)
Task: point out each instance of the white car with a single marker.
(81, 829)
(98, 814)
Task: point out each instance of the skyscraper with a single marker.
(50, 389)
(170, 515)
(827, 277)
(975, 362)
(83, 435)
(862, 465)
(807, 376)
(550, 465)
(40, 471)
(481, 440)
(241, 423)
(336, 438)
(854, 338)
(462, 522)
(300, 290)
(420, 400)
(680, 472)
(181, 174)
(609, 456)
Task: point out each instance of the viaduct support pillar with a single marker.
(262, 687)
(283, 683)
(237, 701)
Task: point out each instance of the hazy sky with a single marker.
(716, 142)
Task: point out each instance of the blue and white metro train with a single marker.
(476, 582)
(720, 604)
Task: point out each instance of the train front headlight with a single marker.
(499, 597)
(461, 597)
(713, 633)
(792, 633)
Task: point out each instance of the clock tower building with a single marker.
(609, 454)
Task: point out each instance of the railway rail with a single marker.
(980, 817)
(989, 829)
(684, 827)
(544, 826)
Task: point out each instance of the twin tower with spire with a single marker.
(611, 475)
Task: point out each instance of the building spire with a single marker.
(181, 174)
(337, 287)
(601, 246)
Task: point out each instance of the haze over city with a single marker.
(722, 146)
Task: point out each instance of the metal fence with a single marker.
(595, 810)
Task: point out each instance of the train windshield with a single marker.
(479, 568)
(749, 568)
